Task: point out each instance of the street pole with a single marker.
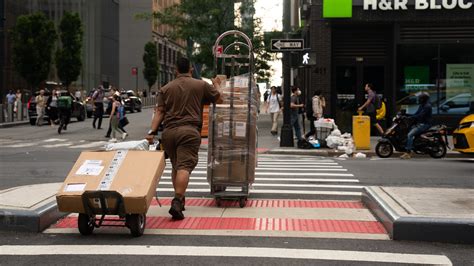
(286, 137)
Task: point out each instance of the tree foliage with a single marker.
(150, 60)
(33, 40)
(68, 55)
(200, 22)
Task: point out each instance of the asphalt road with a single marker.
(32, 155)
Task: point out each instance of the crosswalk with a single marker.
(53, 143)
(280, 177)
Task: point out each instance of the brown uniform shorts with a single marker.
(182, 146)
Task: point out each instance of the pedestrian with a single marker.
(180, 108)
(78, 95)
(116, 114)
(52, 107)
(295, 106)
(300, 113)
(370, 106)
(98, 100)
(274, 107)
(318, 103)
(11, 98)
(423, 119)
(113, 92)
(40, 107)
(64, 103)
(18, 104)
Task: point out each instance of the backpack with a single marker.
(121, 112)
(64, 102)
(304, 144)
(380, 114)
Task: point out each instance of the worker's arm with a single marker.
(155, 123)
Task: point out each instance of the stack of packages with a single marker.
(233, 133)
(205, 122)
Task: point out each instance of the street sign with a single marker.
(287, 45)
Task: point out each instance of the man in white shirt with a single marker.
(274, 108)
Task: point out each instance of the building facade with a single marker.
(100, 42)
(402, 47)
(169, 50)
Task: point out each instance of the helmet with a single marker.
(423, 98)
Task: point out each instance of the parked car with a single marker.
(463, 136)
(458, 104)
(130, 101)
(78, 108)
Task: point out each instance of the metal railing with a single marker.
(9, 114)
(148, 102)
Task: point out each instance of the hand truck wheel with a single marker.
(136, 223)
(242, 202)
(218, 202)
(86, 224)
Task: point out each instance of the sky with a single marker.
(271, 13)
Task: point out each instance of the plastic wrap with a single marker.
(232, 156)
(138, 145)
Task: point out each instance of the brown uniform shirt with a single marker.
(183, 98)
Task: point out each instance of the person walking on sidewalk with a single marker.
(179, 107)
(116, 115)
(274, 108)
(11, 98)
(98, 99)
(40, 106)
(318, 103)
(370, 106)
(295, 106)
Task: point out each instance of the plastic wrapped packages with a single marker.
(137, 145)
(232, 157)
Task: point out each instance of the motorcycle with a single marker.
(433, 142)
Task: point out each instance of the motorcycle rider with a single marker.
(423, 120)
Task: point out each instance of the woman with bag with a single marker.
(117, 113)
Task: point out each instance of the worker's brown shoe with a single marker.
(176, 209)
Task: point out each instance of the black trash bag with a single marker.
(304, 144)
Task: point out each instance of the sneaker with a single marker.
(176, 209)
(406, 155)
(184, 203)
(124, 135)
(107, 136)
(113, 140)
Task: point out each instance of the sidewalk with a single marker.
(271, 144)
(424, 214)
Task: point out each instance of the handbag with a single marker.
(124, 121)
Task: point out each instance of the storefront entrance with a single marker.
(349, 82)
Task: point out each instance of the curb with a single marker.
(402, 226)
(332, 153)
(13, 124)
(30, 221)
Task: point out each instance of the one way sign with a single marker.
(287, 45)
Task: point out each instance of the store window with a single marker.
(445, 71)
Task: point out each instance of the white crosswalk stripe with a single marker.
(279, 177)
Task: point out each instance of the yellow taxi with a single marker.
(463, 136)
